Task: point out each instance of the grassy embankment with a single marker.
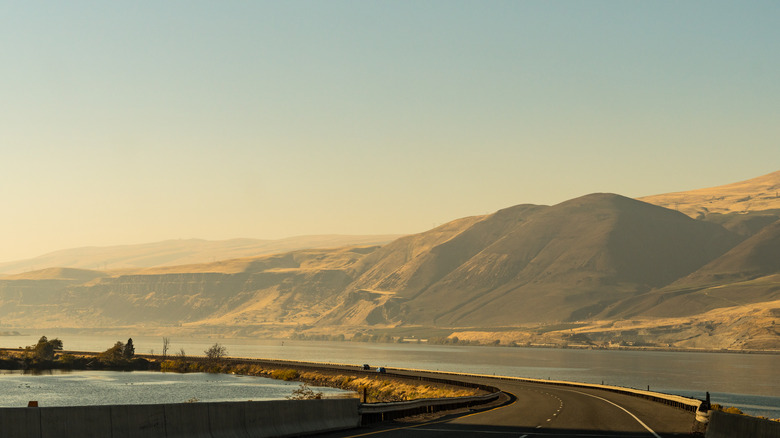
(377, 388)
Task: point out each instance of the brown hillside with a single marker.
(400, 261)
(622, 270)
(748, 273)
(757, 256)
(283, 290)
(535, 263)
(571, 260)
(757, 194)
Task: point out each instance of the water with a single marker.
(87, 388)
(750, 382)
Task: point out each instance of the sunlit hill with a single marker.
(698, 269)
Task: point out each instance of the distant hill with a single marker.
(181, 252)
(757, 194)
(530, 264)
(601, 269)
(69, 274)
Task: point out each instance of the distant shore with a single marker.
(20, 333)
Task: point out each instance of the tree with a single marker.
(216, 352)
(113, 355)
(129, 350)
(166, 343)
(45, 349)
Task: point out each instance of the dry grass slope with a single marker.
(757, 194)
(516, 275)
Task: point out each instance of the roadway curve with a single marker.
(541, 410)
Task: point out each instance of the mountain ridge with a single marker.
(605, 268)
(755, 194)
(176, 252)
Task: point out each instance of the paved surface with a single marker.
(544, 411)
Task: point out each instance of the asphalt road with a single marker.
(541, 410)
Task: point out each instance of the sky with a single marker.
(134, 122)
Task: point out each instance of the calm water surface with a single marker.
(748, 381)
(87, 388)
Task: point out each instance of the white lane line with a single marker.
(433, 429)
(621, 407)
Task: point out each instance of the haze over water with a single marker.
(748, 381)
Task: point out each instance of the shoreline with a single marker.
(14, 333)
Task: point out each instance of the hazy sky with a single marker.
(131, 122)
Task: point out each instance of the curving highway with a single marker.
(540, 410)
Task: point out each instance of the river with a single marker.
(87, 388)
(750, 382)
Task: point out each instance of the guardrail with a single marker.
(375, 412)
(688, 404)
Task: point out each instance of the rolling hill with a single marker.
(531, 264)
(596, 270)
(756, 194)
(181, 252)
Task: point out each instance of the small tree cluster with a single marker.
(45, 349)
(216, 353)
(119, 354)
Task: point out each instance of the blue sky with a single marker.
(134, 122)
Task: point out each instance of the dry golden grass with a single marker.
(762, 193)
(378, 388)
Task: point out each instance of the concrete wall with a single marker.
(276, 418)
(723, 425)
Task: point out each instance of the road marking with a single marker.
(621, 407)
(470, 431)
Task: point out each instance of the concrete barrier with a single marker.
(276, 418)
(20, 422)
(76, 421)
(264, 420)
(297, 417)
(228, 420)
(187, 420)
(128, 421)
(723, 425)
